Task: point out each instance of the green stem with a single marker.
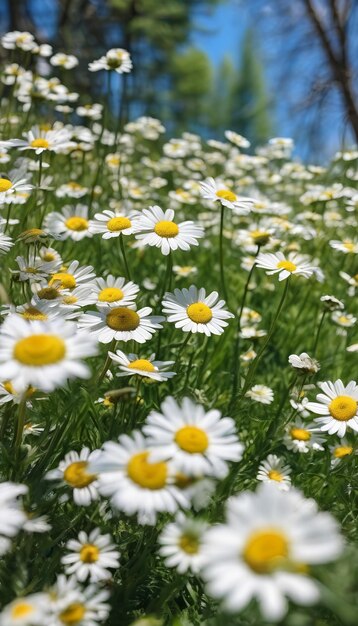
(167, 277)
(236, 359)
(221, 253)
(106, 363)
(318, 332)
(257, 360)
(20, 424)
(126, 266)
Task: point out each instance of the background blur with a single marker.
(262, 68)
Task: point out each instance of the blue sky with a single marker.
(218, 31)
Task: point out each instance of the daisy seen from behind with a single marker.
(337, 406)
(193, 311)
(156, 227)
(199, 443)
(263, 547)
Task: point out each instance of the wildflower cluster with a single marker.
(177, 350)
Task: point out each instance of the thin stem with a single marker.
(20, 424)
(221, 253)
(236, 360)
(318, 332)
(126, 266)
(257, 360)
(106, 363)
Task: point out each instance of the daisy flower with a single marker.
(199, 443)
(352, 282)
(26, 611)
(74, 472)
(331, 303)
(338, 407)
(132, 364)
(135, 482)
(112, 224)
(91, 556)
(33, 268)
(304, 364)
(18, 39)
(180, 543)
(341, 451)
(236, 139)
(66, 61)
(12, 516)
(71, 223)
(348, 246)
(156, 227)
(43, 311)
(193, 311)
(215, 190)
(6, 243)
(71, 190)
(42, 354)
(262, 548)
(284, 265)
(16, 182)
(42, 140)
(121, 323)
(261, 393)
(346, 320)
(301, 437)
(273, 470)
(9, 394)
(113, 291)
(71, 605)
(116, 59)
(72, 276)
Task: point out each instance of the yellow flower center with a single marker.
(300, 434)
(340, 451)
(70, 300)
(286, 265)
(31, 313)
(73, 614)
(21, 609)
(349, 245)
(48, 257)
(48, 293)
(265, 551)
(39, 350)
(147, 475)
(110, 294)
(199, 313)
(67, 281)
(260, 236)
(166, 229)
(189, 544)
(76, 475)
(5, 184)
(123, 319)
(117, 224)
(89, 553)
(275, 475)
(142, 364)
(77, 223)
(8, 387)
(226, 194)
(343, 408)
(192, 439)
(343, 319)
(40, 143)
